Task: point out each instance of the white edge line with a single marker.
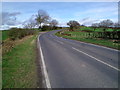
(47, 81)
(96, 59)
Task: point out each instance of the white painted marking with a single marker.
(95, 45)
(56, 36)
(47, 81)
(97, 59)
(62, 38)
(100, 46)
(60, 42)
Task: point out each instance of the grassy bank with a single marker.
(19, 69)
(82, 36)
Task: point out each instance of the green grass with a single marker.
(5, 34)
(19, 67)
(97, 29)
(81, 36)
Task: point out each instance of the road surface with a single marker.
(74, 64)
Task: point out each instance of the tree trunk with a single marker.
(40, 27)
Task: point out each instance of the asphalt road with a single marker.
(74, 64)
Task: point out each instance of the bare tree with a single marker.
(106, 23)
(30, 23)
(42, 17)
(95, 25)
(53, 23)
(73, 24)
(117, 25)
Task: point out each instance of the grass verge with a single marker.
(19, 69)
(81, 36)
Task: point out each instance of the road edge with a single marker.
(46, 81)
(93, 44)
(97, 45)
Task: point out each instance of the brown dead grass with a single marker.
(9, 44)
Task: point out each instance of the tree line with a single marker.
(42, 20)
(103, 25)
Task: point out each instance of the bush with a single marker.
(59, 27)
(18, 33)
(55, 27)
(106, 35)
(45, 28)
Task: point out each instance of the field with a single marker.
(82, 35)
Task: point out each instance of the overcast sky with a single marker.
(15, 13)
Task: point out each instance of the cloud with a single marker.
(4, 27)
(88, 21)
(61, 21)
(84, 19)
(10, 18)
(100, 11)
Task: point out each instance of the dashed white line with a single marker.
(51, 35)
(95, 45)
(101, 46)
(97, 59)
(47, 81)
(60, 42)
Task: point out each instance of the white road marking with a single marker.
(100, 46)
(97, 59)
(47, 81)
(50, 35)
(95, 45)
(60, 42)
(56, 36)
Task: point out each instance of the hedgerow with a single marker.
(18, 33)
